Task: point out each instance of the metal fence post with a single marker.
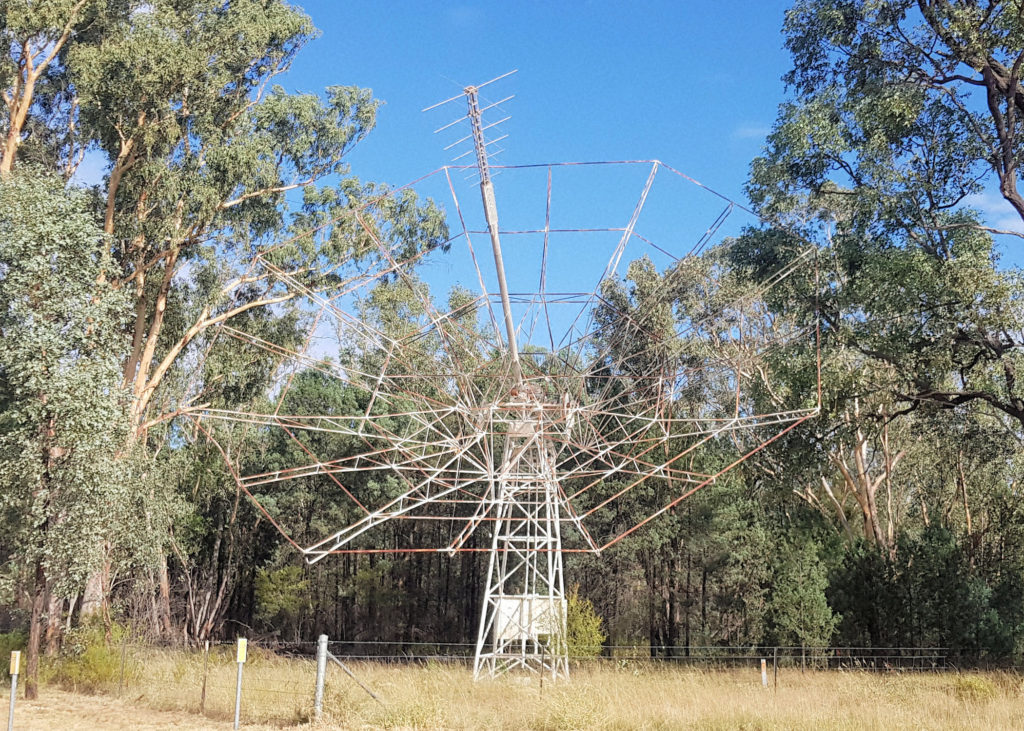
(206, 664)
(321, 675)
(775, 666)
(15, 664)
(124, 654)
(240, 659)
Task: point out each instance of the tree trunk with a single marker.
(53, 628)
(19, 99)
(688, 639)
(164, 603)
(17, 109)
(35, 633)
(94, 599)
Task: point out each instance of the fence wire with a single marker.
(280, 677)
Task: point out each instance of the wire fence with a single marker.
(883, 659)
(279, 683)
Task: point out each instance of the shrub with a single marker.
(585, 635)
(90, 661)
(973, 688)
(10, 641)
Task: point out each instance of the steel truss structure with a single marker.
(522, 623)
(521, 410)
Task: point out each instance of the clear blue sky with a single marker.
(694, 84)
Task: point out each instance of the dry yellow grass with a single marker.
(278, 692)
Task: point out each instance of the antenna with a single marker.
(541, 449)
(480, 144)
(491, 213)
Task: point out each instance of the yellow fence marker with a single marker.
(15, 668)
(240, 659)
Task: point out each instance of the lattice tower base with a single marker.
(523, 619)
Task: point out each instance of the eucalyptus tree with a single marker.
(224, 194)
(37, 108)
(930, 85)
(900, 111)
(63, 485)
(203, 152)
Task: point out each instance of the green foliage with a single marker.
(62, 489)
(584, 633)
(90, 660)
(875, 157)
(798, 609)
(927, 595)
(201, 148)
(974, 688)
(10, 641)
(281, 594)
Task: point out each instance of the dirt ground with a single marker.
(57, 709)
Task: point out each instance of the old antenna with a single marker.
(480, 144)
(458, 429)
(523, 615)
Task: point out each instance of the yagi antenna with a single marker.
(478, 86)
(478, 111)
(480, 144)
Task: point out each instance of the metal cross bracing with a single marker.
(522, 623)
(518, 413)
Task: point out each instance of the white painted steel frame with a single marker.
(523, 613)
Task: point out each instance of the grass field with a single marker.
(278, 692)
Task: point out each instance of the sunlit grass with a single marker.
(279, 691)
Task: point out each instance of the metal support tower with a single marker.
(523, 618)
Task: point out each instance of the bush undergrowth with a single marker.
(90, 661)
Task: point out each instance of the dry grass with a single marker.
(278, 692)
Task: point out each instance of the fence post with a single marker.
(240, 659)
(543, 662)
(775, 666)
(764, 673)
(202, 694)
(124, 653)
(15, 663)
(321, 675)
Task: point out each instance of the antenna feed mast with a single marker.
(491, 214)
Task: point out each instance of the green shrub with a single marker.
(90, 661)
(583, 627)
(11, 641)
(973, 688)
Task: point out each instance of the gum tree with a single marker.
(224, 196)
(62, 409)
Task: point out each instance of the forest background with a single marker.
(893, 520)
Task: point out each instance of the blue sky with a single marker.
(694, 84)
